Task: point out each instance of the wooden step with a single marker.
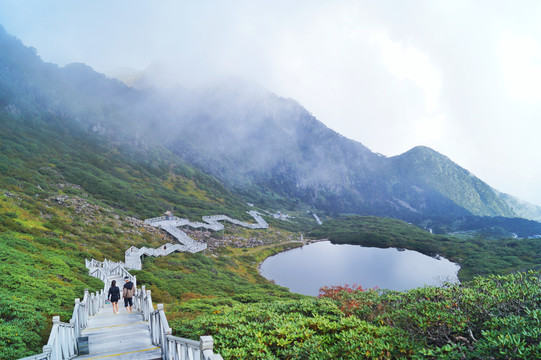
(122, 336)
(136, 353)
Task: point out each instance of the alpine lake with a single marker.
(306, 269)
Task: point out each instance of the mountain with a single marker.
(522, 208)
(252, 139)
(263, 148)
(51, 141)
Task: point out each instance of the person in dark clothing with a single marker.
(127, 293)
(114, 296)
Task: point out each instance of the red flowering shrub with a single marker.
(354, 300)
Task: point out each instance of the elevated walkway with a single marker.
(122, 336)
(132, 256)
(144, 334)
(211, 222)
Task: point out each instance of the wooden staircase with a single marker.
(144, 334)
(122, 336)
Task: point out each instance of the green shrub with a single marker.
(489, 315)
(303, 329)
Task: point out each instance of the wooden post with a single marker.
(77, 318)
(207, 343)
(207, 346)
(149, 299)
(142, 302)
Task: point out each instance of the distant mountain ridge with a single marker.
(259, 145)
(247, 136)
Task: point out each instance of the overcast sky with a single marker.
(462, 77)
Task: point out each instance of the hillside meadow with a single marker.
(44, 242)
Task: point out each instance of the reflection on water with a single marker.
(305, 270)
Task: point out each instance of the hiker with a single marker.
(127, 293)
(114, 296)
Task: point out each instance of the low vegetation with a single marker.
(45, 239)
(494, 317)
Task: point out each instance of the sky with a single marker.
(462, 77)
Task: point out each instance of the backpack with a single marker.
(128, 293)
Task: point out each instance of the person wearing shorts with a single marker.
(114, 295)
(127, 292)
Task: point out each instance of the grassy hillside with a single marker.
(44, 241)
(43, 245)
(43, 155)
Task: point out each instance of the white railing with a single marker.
(62, 344)
(100, 274)
(171, 225)
(143, 301)
(132, 256)
(173, 347)
(96, 302)
(106, 269)
(211, 222)
(177, 348)
(160, 218)
(80, 314)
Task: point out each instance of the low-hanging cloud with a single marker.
(461, 77)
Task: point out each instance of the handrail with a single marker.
(142, 300)
(212, 221)
(174, 347)
(62, 344)
(132, 256)
(103, 270)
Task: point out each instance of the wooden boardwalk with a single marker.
(144, 334)
(122, 336)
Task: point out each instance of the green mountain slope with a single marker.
(269, 149)
(40, 155)
(250, 138)
(45, 239)
(425, 169)
(42, 147)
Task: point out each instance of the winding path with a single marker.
(133, 255)
(145, 333)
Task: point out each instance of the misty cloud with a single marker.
(461, 77)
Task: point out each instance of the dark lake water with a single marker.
(305, 270)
